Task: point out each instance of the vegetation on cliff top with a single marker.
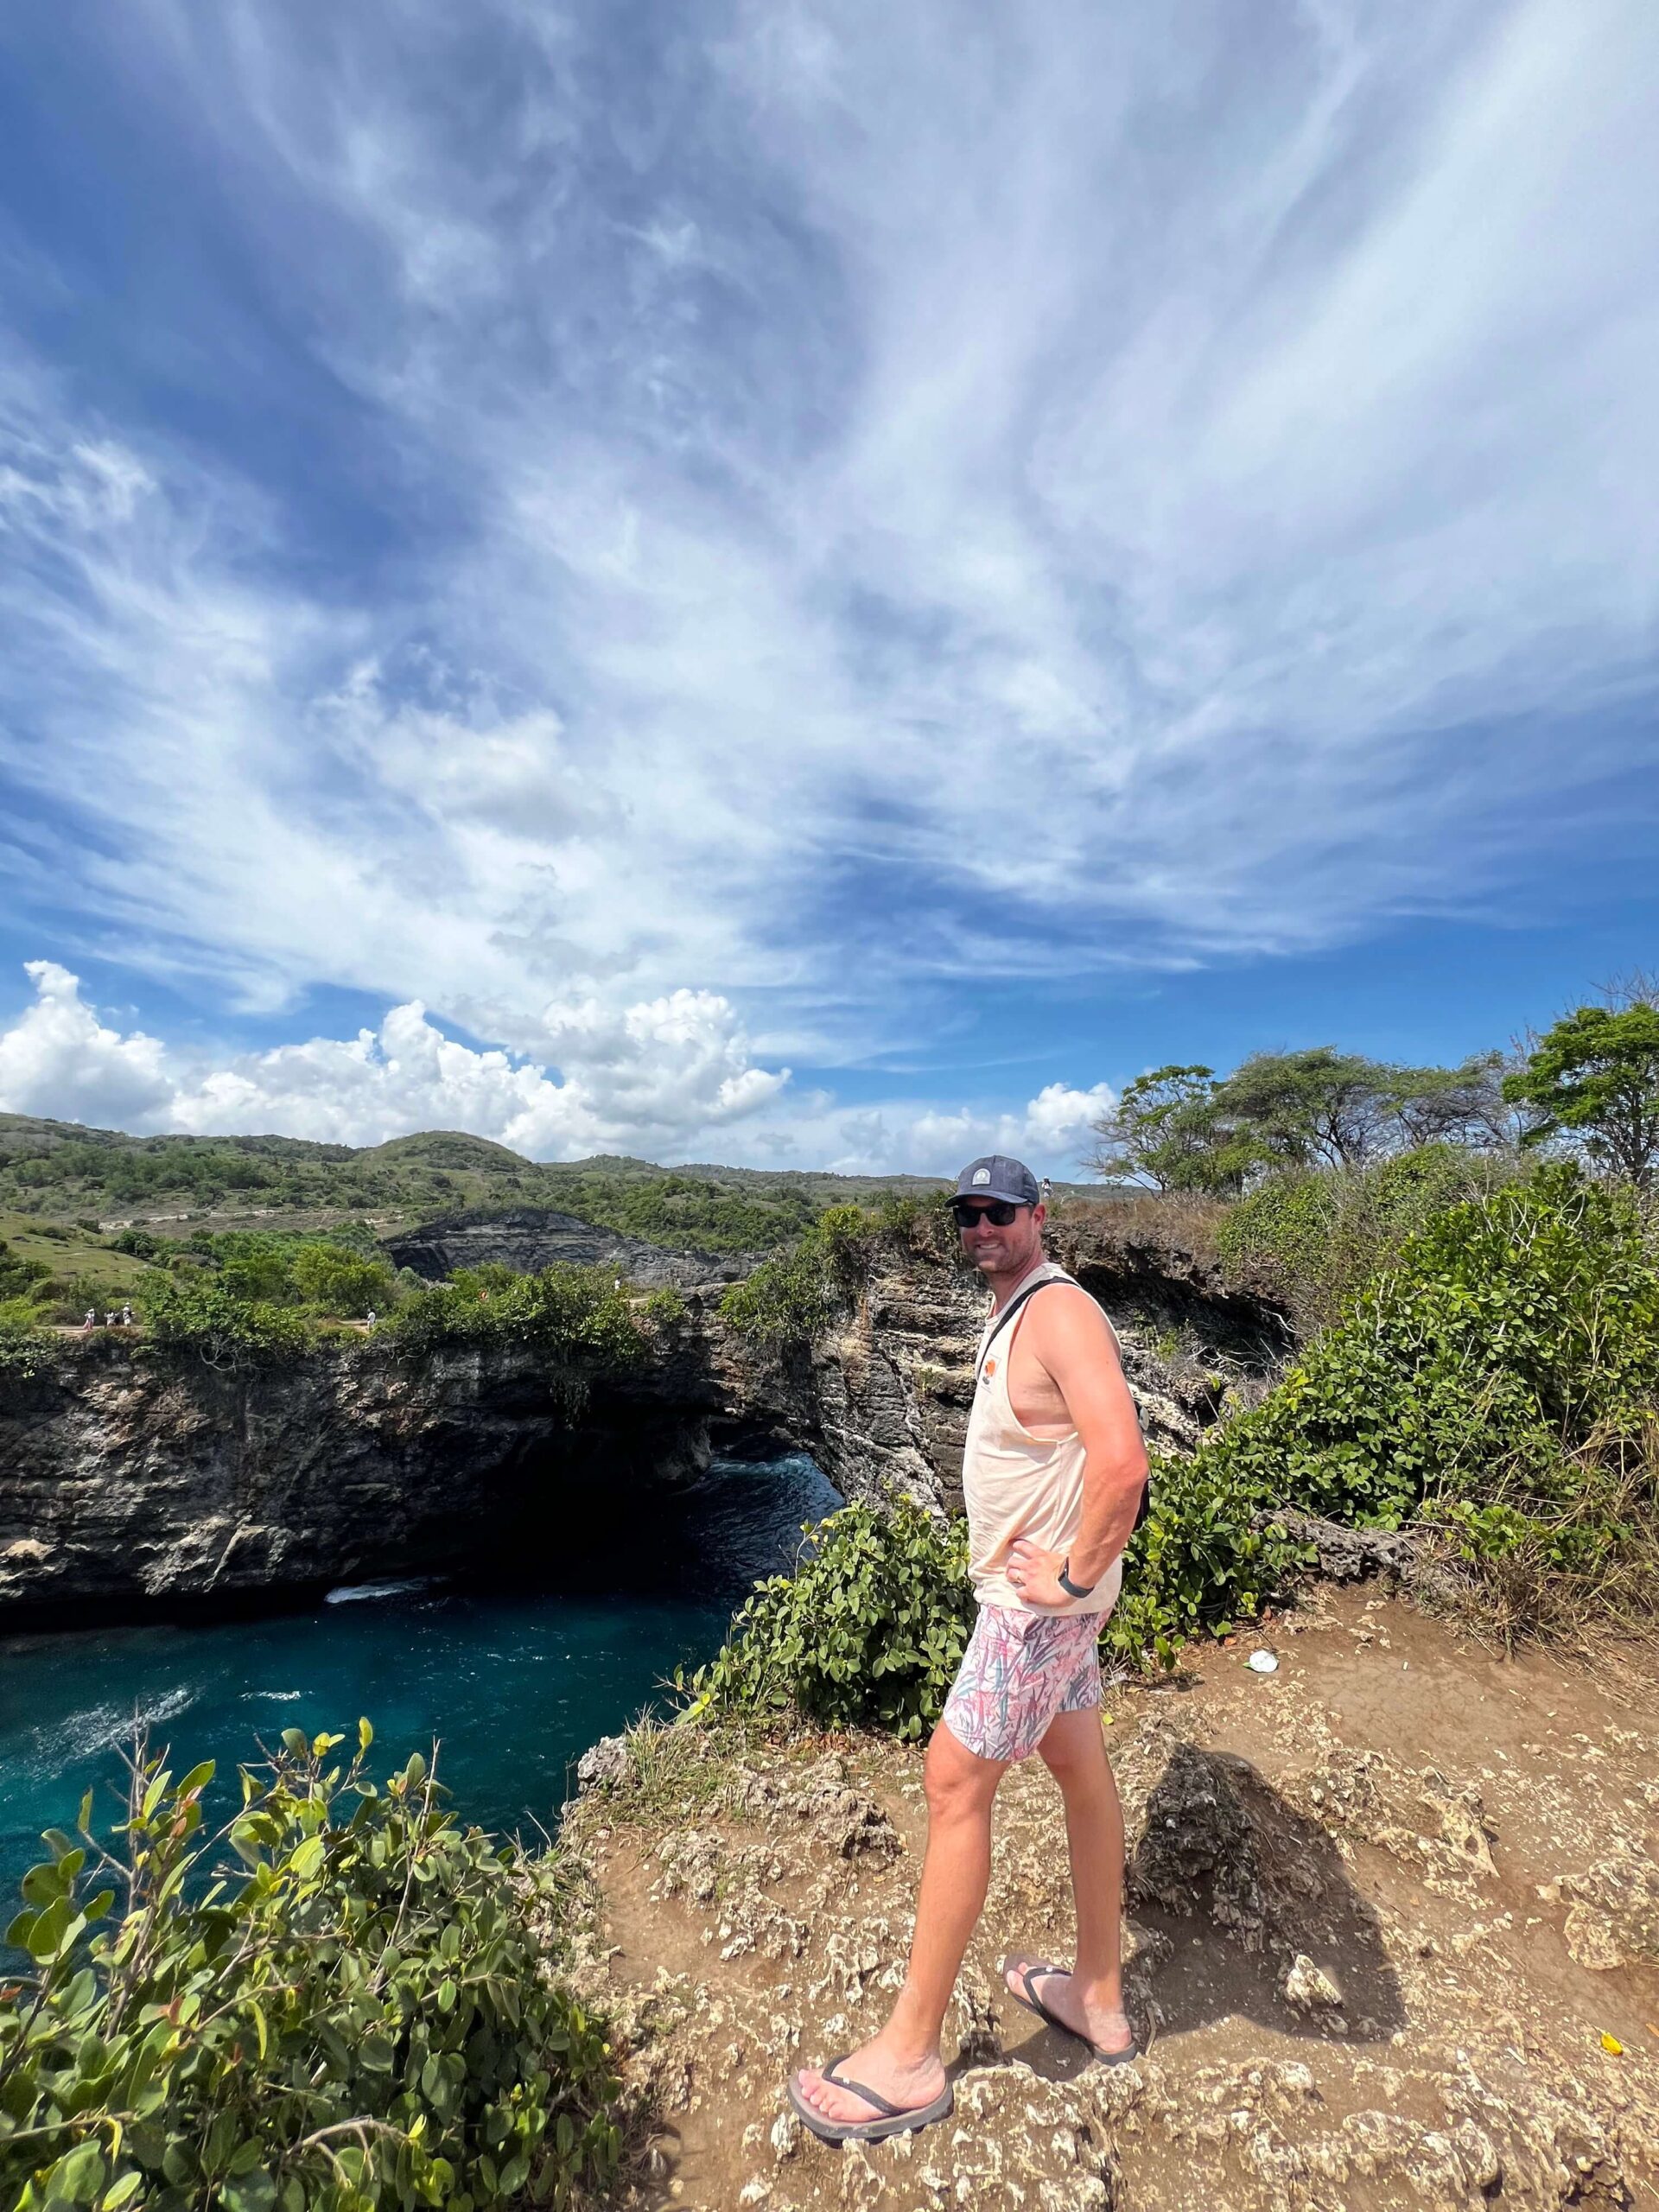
(60, 1170)
(342, 2001)
(1494, 1384)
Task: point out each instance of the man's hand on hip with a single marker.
(1035, 1573)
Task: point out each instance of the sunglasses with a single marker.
(998, 1211)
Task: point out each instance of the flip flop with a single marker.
(1034, 2003)
(891, 2120)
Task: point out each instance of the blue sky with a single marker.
(813, 583)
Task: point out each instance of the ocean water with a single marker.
(513, 1681)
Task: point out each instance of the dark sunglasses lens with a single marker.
(999, 1213)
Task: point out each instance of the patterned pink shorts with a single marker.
(1020, 1670)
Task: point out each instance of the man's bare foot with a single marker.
(1086, 2010)
(910, 2083)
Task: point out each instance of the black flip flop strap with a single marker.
(1026, 1974)
(885, 2110)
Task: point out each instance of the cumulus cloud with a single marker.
(671, 1078)
(655, 1075)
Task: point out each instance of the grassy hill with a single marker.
(59, 1172)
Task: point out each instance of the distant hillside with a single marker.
(59, 1171)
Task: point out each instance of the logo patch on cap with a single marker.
(981, 1174)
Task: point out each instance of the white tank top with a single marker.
(1016, 1485)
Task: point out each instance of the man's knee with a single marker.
(957, 1781)
(1073, 1749)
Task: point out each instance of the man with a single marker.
(1054, 1472)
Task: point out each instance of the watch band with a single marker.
(1072, 1589)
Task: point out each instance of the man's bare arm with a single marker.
(1069, 1336)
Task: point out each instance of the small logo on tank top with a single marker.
(990, 1367)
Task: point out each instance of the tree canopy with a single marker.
(1596, 1073)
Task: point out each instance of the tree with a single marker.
(1596, 1072)
(336, 1280)
(1165, 1134)
(1462, 1105)
(1314, 1107)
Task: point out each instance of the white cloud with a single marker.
(59, 1059)
(654, 1077)
(671, 1078)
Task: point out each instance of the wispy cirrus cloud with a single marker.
(826, 506)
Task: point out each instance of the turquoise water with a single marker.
(514, 1683)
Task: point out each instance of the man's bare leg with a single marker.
(902, 2062)
(1090, 1998)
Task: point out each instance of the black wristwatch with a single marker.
(1072, 1588)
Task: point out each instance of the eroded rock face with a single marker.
(129, 1475)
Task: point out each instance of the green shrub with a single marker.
(25, 1346)
(331, 1279)
(1312, 1241)
(869, 1631)
(1498, 1381)
(19, 1276)
(664, 1308)
(790, 1299)
(356, 2017)
(202, 1314)
(574, 1315)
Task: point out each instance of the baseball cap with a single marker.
(996, 1176)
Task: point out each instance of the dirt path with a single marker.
(1389, 1907)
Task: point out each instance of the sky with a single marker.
(813, 584)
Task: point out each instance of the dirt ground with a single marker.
(1394, 1941)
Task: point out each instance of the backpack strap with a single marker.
(1002, 1323)
(1008, 1313)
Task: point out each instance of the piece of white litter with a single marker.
(1262, 1663)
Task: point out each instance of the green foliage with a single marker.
(1596, 1073)
(790, 1299)
(869, 1631)
(1322, 1107)
(25, 1346)
(1499, 1379)
(664, 1308)
(19, 1276)
(332, 1279)
(1167, 1133)
(687, 1211)
(576, 1315)
(355, 2017)
(202, 1314)
(1310, 1241)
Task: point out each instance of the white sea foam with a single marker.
(100, 1728)
(352, 1593)
(281, 1697)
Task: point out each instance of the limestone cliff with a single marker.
(129, 1474)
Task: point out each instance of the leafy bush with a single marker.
(869, 1631)
(202, 1314)
(1499, 1381)
(330, 1279)
(575, 1314)
(356, 2017)
(1311, 1241)
(790, 1299)
(664, 1308)
(19, 1276)
(25, 1346)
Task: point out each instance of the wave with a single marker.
(352, 1594)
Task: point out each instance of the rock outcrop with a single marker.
(531, 1238)
(129, 1474)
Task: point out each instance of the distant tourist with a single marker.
(1046, 1527)
(91, 1322)
(1048, 1192)
(368, 1319)
(110, 1320)
(126, 1316)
